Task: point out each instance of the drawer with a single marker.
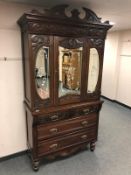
(53, 117)
(62, 127)
(67, 114)
(66, 141)
(86, 110)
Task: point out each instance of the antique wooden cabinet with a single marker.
(62, 61)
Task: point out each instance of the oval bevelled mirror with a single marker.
(93, 73)
(70, 71)
(42, 74)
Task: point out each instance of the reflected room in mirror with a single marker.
(69, 71)
(42, 75)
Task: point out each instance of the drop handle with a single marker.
(54, 117)
(37, 110)
(86, 111)
(53, 130)
(54, 146)
(84, 123)
(84, 137)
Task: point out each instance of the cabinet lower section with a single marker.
(62, 132)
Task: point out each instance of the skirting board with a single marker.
(13, 156)
(115, 101)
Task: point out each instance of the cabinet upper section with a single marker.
(57, 20)
(62, 55)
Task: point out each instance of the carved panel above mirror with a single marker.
(38, 40)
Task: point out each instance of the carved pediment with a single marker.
(60, 11)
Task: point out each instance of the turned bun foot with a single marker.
(92, 146)
(35, 165)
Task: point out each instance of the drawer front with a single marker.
(49, 130)
(66, 141)
(67, 114)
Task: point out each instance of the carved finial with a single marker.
(59, 10)
(106, 22)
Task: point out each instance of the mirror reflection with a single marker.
(42, 75)
(93, 70)
(69, 71)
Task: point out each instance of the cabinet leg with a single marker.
(35, 165)
(92, 146)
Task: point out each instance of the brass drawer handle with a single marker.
(53, 130)
(84, 136)
(54, 117)
(37, 110)
(84, 123)
(86, 111)
(54, 146)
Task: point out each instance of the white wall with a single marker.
(110, 65)
(124, 79)
(12, 116)
(12, 121)
(116, 82)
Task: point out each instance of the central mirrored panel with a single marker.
(42, 73)
(93, 70)
(69, 71)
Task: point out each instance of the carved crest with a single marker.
(60, 12)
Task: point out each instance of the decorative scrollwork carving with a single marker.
(90, 16)
(71, 43)
(99, 43)
(63, 30)
(39, 40)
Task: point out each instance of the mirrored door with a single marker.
(69, 59)
(42, 73)
(42, 61)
